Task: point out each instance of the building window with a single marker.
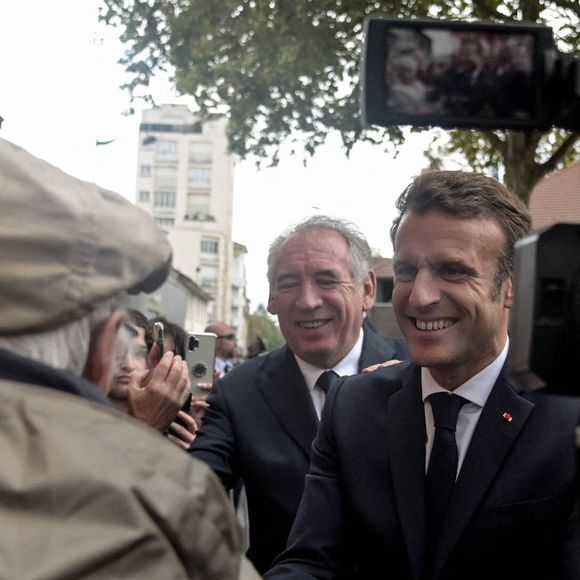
(199, 177)
(165, 177)
(209, 245)
(144, 197)
(164, 199)
(145, 171)
(168, 128)
(208, 276)
(166, 150)
(197, 203)
(165, 221)
(200, 152)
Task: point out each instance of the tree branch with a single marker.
(490, 12)
(560, 153)
(496, 141)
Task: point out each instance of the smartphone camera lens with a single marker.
(193, 343)
(199, 370)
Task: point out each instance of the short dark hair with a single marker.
(137, 318)
(468, 195)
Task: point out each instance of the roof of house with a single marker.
(556, 198)
(383, 267)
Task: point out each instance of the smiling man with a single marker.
(263, 415)
(438, 468)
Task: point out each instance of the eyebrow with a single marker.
(130, 329)
(438, 264)
(459, 265)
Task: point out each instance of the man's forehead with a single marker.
(447, 238)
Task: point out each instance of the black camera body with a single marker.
(545, 323)
(425, 72)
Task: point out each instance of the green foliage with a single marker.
(261, 324)
(285, 70)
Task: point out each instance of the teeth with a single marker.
(433, 324)
(312, 323)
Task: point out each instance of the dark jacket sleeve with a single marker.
(215, 442)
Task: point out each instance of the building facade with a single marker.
(185, 181)
(179, 300)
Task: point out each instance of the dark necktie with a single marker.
(326, 380)
(442, 469)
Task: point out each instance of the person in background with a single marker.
(225, 347)
(257, 347)
(439, 468)
(153, 389)
(87, 492)
(263, 415)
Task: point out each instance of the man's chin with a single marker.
(320, 355)
(428, 360)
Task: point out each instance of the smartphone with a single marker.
(159, 337)
(200, 359)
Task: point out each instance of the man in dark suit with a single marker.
(263, 415)
(378, 496)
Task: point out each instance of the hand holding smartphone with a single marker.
(200, 359)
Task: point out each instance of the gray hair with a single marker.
(359, 251)
(65, 347)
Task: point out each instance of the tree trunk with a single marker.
(521, 170)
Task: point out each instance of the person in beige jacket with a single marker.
(87, 492)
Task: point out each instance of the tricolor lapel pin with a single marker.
(507, 417)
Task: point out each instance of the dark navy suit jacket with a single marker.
(259, 427)
(511, 514)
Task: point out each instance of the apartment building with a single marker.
(185, 180)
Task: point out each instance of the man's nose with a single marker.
(309, 296)
(425, 290)
(128, 363)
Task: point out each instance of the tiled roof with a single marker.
(383, 267)
(556, 198)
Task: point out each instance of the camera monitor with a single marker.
(455, 74)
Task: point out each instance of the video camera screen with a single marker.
(453, 74)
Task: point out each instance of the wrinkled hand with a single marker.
(183, 434)
(156, 395)
(387, 363)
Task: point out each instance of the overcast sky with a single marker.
(60, 92)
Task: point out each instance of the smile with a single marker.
(312, 323)
(434, 324)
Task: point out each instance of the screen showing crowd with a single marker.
(439, 73)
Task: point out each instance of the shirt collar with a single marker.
(477, 388)
(347, 366)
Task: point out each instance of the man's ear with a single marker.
(509, 293)
(100, 361)
(369, 291)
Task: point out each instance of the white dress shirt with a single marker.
(347, 366)
(476, 390)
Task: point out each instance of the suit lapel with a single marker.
(406, 440)
(374, 350)
(287, 396)
(493, 438)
